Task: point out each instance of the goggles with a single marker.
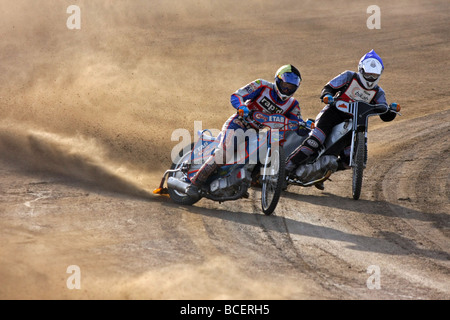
(370, 76)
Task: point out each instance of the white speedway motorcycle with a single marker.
(319, 167)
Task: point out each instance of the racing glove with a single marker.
(310, 124)
(243, 111)
(394, 107)
(305, 127)
(327, 99)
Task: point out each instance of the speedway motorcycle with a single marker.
(353, 132)
(261, 165)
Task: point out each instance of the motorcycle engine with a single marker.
(230, 184)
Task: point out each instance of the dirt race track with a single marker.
(86, 118)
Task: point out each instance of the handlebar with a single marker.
(270, 120)
(244, 118)
(393, 107)
(308, 124)
(291, 124)
(380, 108)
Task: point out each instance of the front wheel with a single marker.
(273, 176)
(358, 164)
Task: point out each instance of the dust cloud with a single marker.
(138, 70)
(109, 95)
(100, 102)
(77, 156)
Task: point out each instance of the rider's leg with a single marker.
(198, 180)
(325, 121)
(205, 171)
(218, 158)
(310, 146)
(200, 177)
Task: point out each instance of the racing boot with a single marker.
(192, 191)
(290, 168)
(293, 162)
(199, 179)
(308, 148)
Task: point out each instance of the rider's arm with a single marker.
(250, 91)
(294, 113)
(380, 98)
(337, 84)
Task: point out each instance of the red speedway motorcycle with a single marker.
(261, 164)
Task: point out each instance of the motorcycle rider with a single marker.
(259, 95)
(347, 87)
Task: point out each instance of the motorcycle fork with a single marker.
(352, 149)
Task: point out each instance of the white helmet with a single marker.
(370, 68)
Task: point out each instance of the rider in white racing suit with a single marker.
(347, 87)
(260, 95)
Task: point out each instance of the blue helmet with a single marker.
(287, 81)
(370, 68)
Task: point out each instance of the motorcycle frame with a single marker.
(361, 112)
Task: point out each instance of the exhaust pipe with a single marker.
(177, 184)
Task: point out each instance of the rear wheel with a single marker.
(273, 176)
(358, 164)
(175, 195)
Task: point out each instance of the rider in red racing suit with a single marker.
(260, 95)
(347, 87)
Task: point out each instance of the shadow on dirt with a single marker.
(439, 220)
(383, 242)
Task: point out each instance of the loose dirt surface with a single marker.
(86, 123)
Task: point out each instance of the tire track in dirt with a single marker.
(382, 230)
(415, 172)
(400, 177)
(277, 228)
